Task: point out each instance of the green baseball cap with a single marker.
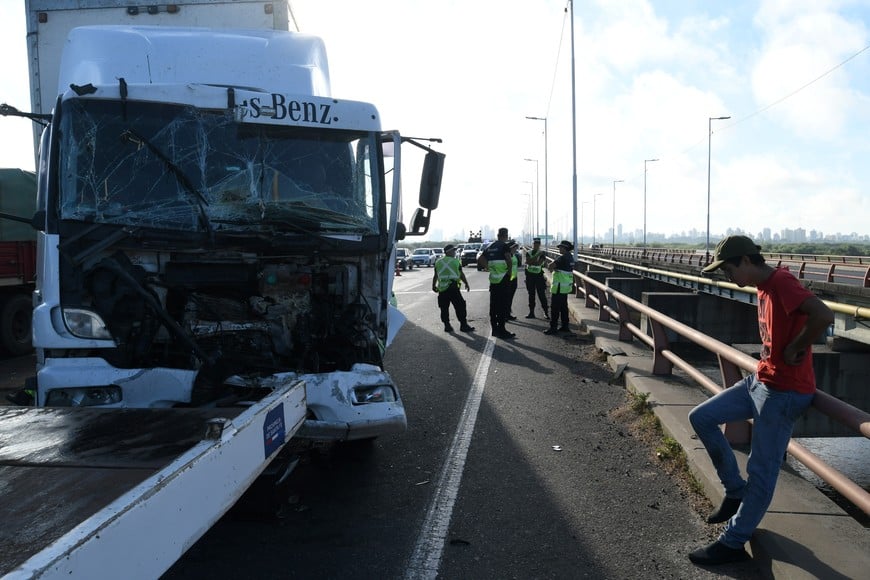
(732, 247)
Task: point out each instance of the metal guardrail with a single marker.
(731, 364)
(728, 288)
(847, 270)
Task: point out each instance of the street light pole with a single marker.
(594, 212)
(613, 230)
(709, 147)
(645, 161)
(531, 213)
(536, 214)
(573, 133)
(546, 229)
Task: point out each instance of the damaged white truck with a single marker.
(212, 221)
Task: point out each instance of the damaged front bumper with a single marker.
(361, 403)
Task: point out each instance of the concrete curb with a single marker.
(804, 534)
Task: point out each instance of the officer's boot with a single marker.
(531, 312)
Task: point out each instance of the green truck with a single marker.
(17, 260)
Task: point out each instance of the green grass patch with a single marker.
(667, 449)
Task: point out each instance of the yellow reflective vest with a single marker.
(562, 282)
(448, 270)
(531, 258)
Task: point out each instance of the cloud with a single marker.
(800, 44)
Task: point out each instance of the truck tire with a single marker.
(16, 331)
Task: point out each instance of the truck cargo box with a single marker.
(49, 22)
(17, 197)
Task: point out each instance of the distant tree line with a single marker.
(831, 249)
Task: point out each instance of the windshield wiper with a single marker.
(116, 236)
(133, 136)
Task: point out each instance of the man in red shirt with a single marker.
(790, 319)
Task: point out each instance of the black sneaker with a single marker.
(530, 315)
(512, 317)
(504, 334)
(448, 328)
(726, 509)
(550, 331)
(565, 329)
(466, 328)
(718, 553)
(20, 397)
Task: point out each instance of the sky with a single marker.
(792, 75)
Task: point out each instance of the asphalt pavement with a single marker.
(513, 466)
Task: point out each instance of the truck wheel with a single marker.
(16, 332)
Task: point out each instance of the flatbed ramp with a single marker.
(89, 493)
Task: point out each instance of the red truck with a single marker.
(17, 259)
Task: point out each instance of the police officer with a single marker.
(497, 260)
(560, 286)
(445, 281)
(535, 282)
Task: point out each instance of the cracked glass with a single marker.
(177, 167)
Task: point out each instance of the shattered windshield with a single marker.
(182, 168)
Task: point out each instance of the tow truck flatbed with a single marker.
(90, 492)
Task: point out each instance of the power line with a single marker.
(556, 67)
(796, 91)
(786, 97)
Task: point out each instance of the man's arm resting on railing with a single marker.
(819, 317)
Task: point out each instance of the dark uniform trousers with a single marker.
(535, 283)
(499, 304)
(559, 309)
(453, 295)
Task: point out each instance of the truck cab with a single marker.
(210, 219)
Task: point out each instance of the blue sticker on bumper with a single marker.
(273, 430)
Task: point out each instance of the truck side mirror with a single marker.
(419, 223)
(430, 181)
(400, 231)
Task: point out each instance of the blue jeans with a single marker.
(774, 414)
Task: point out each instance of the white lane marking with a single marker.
(426, 557)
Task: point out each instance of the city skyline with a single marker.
(693, 236)
(651, 78)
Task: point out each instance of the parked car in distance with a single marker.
(403, 259)
(469, 254)
(423, 257)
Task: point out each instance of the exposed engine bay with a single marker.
(227, 313)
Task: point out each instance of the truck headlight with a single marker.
(84, 396)
(373, 394)
(85, 324)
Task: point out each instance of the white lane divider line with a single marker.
(426, 558)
